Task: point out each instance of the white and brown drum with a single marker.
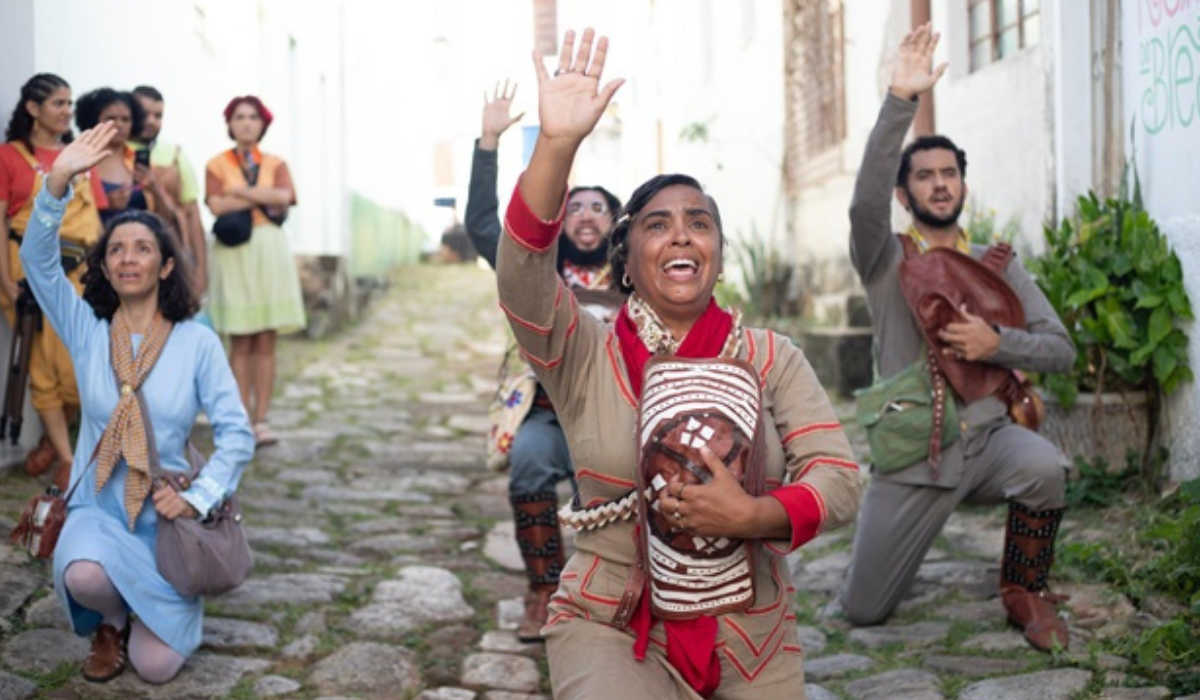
(688, 404)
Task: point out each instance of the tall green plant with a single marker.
(766, 276)
(1118, 287)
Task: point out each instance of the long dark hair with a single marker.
(176, 299)
(89, 107)
(37, 89)
(618, 255)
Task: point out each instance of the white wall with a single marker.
(872, 33)
(1161, 62)
(1002, 116)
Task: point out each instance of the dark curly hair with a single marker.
(618, 255)
(89, 107)
(929, 143)
(37, 89)
(176, 299)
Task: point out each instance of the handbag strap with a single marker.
(938, 385)
(252, 181)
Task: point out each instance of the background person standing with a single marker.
(175, 175)
(254, 289)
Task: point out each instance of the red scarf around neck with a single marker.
(691, 644)
(705, 340)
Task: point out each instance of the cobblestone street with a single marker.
(386, 567)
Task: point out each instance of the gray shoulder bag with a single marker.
(198, 557)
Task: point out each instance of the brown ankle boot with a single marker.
(106, 660)
(540, 540)
(1028, 555)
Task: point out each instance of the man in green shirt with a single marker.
(174, 171)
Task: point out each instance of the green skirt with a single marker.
(254, 287)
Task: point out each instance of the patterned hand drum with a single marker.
(689, 404)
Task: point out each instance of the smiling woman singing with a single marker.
(704, 451)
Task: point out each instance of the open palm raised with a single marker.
(571, 102)
(82, 154)
(914, 72)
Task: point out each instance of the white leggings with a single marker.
(152, 659)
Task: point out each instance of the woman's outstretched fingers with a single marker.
(564, 55)
(596, 68)
(584, 53)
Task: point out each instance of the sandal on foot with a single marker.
(263, 435)
(106, 659)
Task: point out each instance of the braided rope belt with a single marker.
(599, 515)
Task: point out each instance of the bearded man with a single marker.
(539, 458)
(993, 460)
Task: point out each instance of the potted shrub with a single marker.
(1118, 287)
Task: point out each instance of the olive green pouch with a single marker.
(897, 414)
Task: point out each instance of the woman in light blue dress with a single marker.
(104, 565)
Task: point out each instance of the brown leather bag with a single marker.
(41, 523)
(42, 520)
(937, 284)
(686, 404)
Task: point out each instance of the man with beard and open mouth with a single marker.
(945, 329)
(536, 453)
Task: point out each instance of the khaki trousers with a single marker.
(899, 522)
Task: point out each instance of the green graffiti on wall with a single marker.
(1170, 70)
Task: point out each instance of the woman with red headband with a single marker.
(254, 290)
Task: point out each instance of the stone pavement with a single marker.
(386, 566)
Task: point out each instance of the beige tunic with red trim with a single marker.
(578, 360)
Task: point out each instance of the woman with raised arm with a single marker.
(734, 457)
(131, 335)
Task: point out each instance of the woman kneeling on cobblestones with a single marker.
(133, 323)
(678, 588)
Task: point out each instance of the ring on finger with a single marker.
(679, 496)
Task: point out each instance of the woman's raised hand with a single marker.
(81, 155)
(570, 102)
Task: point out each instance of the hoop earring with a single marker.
(625, 281)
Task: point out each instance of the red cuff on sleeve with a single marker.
(525, 228)
(805, 509)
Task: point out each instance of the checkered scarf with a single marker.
(125, 434)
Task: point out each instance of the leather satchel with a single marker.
(41, 523)
(937, 284)
(687, 404)
(197, 557)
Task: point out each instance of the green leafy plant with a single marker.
(1118, 287)
(1097, 486)
(766, 277)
